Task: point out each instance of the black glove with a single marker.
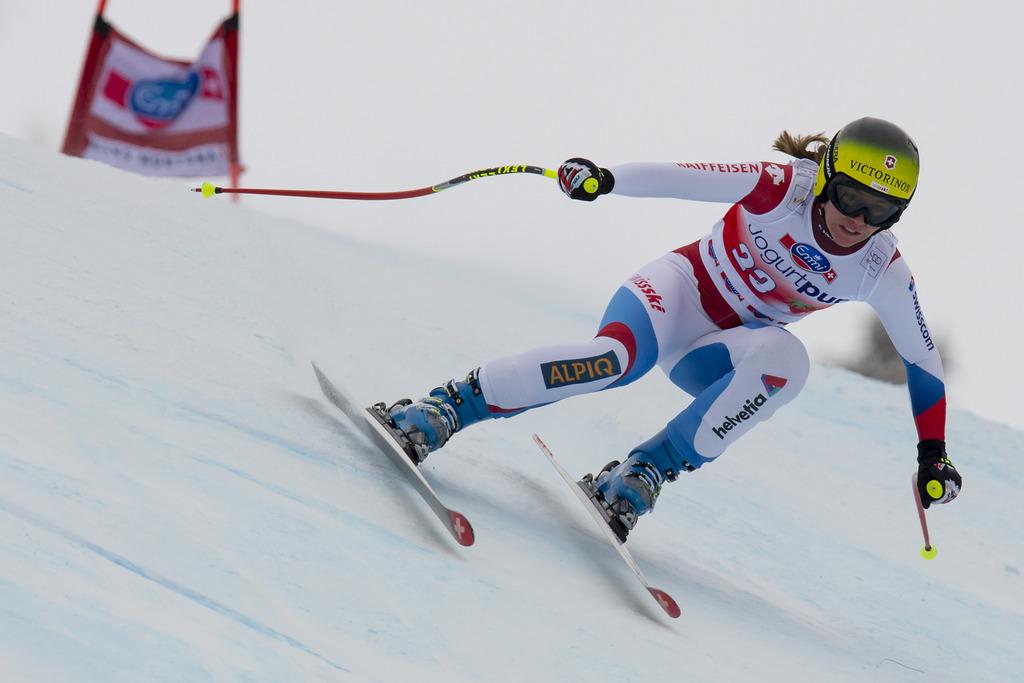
(937, 479)
(582, 179)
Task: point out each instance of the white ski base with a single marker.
(455, 522)
(666, 601)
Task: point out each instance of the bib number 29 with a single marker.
(756, 278)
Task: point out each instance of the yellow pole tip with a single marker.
(208, 189)
(928, 552)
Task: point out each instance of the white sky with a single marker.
(395, 95)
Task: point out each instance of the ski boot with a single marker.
(427, 424)
(624, 491)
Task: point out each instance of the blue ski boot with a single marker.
(431, 421)
(624, 491)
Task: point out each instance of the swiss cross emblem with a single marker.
(461, 527)
(890, 161)
(665, 600)
(777, 174)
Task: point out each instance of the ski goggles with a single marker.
(853, 199)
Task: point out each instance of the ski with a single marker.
(665, 601)
(374, 425)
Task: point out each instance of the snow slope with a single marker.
(177, 502)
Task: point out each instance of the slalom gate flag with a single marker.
(158, 116)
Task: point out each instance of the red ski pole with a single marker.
(208, 189)
(928, 551)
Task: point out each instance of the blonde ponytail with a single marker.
(799, 146)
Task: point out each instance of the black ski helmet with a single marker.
(875, 153)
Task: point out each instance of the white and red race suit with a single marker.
(712, 314)
(771, 259)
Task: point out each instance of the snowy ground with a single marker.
(177, 502)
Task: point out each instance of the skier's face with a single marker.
(846, 231)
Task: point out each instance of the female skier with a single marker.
(799, 237)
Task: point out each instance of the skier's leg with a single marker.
(509, 386)
(739, 378)
(656, 309)
(624, 349)
(760, 369)
(638, 320)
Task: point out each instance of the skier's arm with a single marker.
(757, 186)
(708, 182)
(896, 302)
